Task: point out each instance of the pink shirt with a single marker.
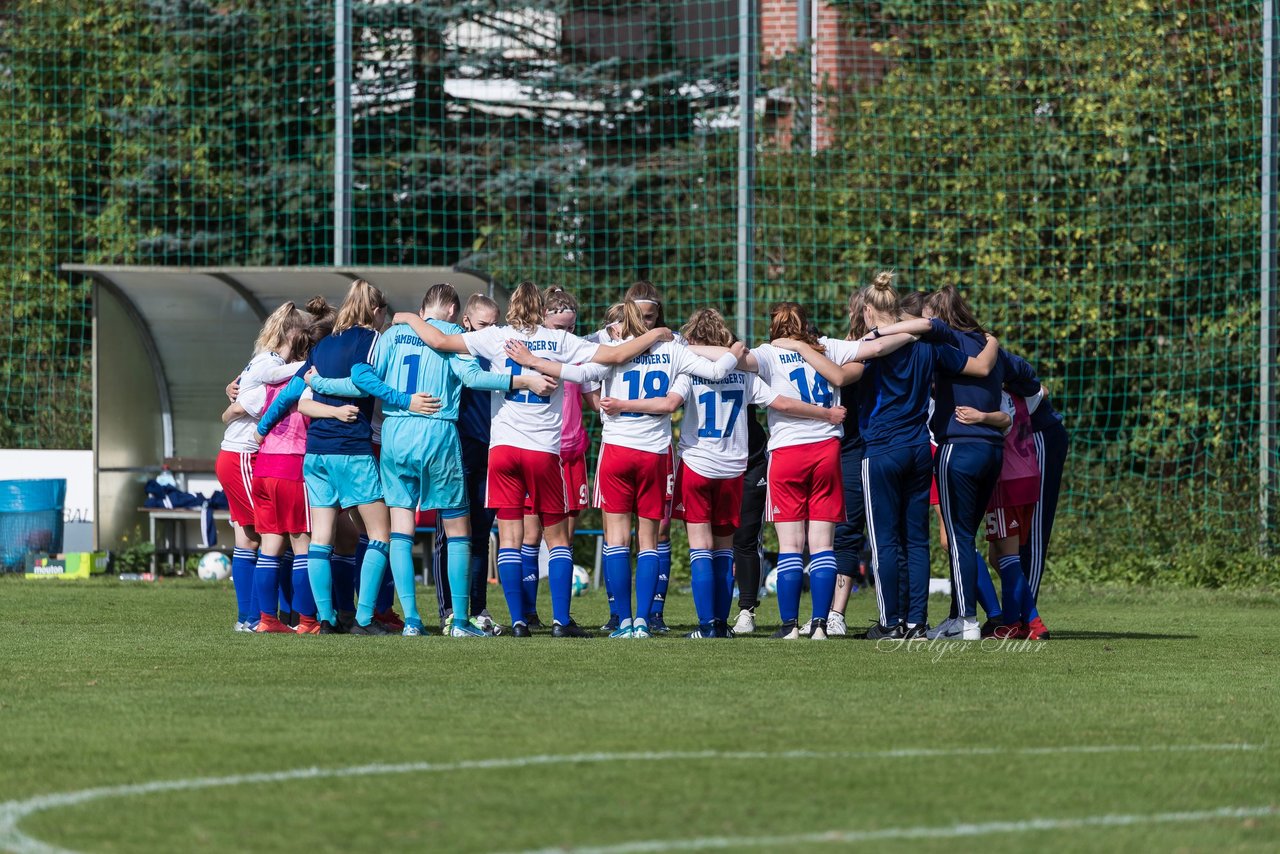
(285, 446)
(573, 436)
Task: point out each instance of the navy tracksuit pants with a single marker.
(967, 473)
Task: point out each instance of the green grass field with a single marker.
(1148, 713)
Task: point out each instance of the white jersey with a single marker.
(262, 370)
(787, 374)
(648, 376)
(520, 418)
(604, 336)
(713, 435)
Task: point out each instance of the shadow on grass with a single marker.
(1059, 634)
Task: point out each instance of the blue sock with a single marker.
(664, 576)
(285, 589)
(459, 571)
(344, 583)
(985, 590)
(617, 573)
(822, 582)
(608, 583)
(303, 601)
(320, 573)
(386, 593)
(509, 572)
(529, 578)
(704, 585)
(722, 569)
(243, 562)
(790, 583)
(371, 572)
(403, 577)
(266, 579)
(646, 582)
(1013, 588)
(560, 580)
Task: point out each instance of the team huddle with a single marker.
(340, 434)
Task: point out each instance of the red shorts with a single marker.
(805, 483)
(1010, 522)
(934, 499)
(631, 481)
(280, 506)
(520, 478)
(235, 476)
(699, 499)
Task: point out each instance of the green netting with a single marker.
(1087, 173)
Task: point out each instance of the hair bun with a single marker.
(883, 280)
(317, 305)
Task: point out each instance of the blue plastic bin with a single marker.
(30, 519)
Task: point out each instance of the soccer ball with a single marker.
(214, 566)
(581, 581)
(771, 582)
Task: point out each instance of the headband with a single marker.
(646, 302)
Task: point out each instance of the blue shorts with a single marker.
(422, 464)
(341, 480)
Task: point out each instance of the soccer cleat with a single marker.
(806, 629)
(242, 626)
(657, 625)
(879, 632)
(346, 620)
(466, 630)
(1008, 632)
(970, 630)
(989, 627)
(746, 622)
(413, 630)
(390, 620)
(520, 630)
(1036, 630)
(949, 628)
(270, 624)
(328, 628)
(533, 621)
(308, 626)
(374, 629)
(818, 629)
(614, 622)
(569, 630)
(640, 630)
(788, 631)
(707, 631)
(835, 624)
(623, 631)
(918, 631)
(721, 629)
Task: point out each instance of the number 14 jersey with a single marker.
(789, 375)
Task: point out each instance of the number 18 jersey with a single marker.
(649, 376)
(713, 434)
(787, 374)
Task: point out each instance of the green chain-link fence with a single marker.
(1087, 173)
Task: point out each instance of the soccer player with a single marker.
(893, 397)
(562, 314)
(280, 499)
(806, 493)
(480, 312)
(525, 442)
(421, 462)
(339, 468)
(634, 474)
(234, 465)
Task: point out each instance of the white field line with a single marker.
(13, 812)
(954, 831)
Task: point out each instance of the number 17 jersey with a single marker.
(713, 434)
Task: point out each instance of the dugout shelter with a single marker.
(167, 340)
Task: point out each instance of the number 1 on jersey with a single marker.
(710, 428)
(820, 393)
(522, 396)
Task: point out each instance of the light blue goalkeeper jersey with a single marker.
(404, 362)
